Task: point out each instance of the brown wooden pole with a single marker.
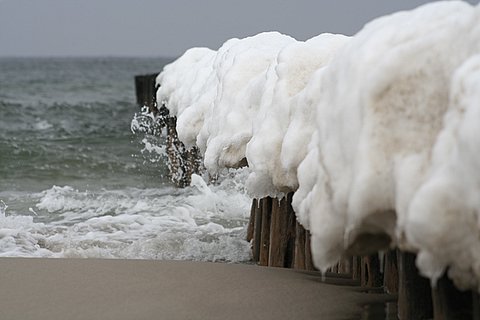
(146, 90)
(257, 231)
(282, 233)
(345, 265)
(251, 221)
(356, 268)
(308, 253)
(291, 233)
(449, 302)
(300, 251)
(334, 268)
(414, 293)
(370, 271)
(390, 273)
(277, 233)
(265, 231)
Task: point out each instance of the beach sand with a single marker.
(70, 289)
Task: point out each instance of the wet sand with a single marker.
(138, 289)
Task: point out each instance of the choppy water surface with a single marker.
(76, 182)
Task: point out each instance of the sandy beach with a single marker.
(138, 289)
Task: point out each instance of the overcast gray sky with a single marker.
(168, 28)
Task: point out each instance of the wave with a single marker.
(205, 223)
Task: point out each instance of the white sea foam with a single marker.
(198, 223)
(42, 125)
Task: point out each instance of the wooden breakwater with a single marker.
(278, 240)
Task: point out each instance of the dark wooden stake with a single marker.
(449, 303)
(146, 91)
(356, 268)
(476, 305)
(414, 293)
(371, 271)
(251, 221)
(257, 230)
(266, 204)
(300, 251)
(308, 253)
(282, 234)
(390, 274)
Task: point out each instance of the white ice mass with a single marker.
(377, 134)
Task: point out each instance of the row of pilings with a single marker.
(278, 240)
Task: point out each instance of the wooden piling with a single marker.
(371, 271)
(390, 278)
(257, 233)
(356, 268)
(251, 221)
(414, 293)
(182, 162)
(449, 303)
(475, 305)
(345, 265)
(282, 233)
(146, 90)
(308, 253)
(300, 250)
(266, 205)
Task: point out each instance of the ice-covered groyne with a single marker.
(375, 134)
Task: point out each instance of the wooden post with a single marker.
(371, 275)
(146, 91)
(291, 233)
(300, 251)
(182, 162)
(414, 293)
(282, 234)
(345, 265)
(334, 269)
(257, 231)
(175, 152)
(390, 272)
(251, 221)
(266, 204)
(449, 302)
(276, 253)
(308, 252)
(476, 305)
(356, 268)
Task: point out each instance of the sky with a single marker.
(168, 28)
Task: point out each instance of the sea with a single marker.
(80, 178)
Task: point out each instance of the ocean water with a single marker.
(77, 181)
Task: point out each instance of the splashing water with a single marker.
(82, 179)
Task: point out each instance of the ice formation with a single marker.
(376, 134)
(286, 117)
(444, 216)
(380, 109)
